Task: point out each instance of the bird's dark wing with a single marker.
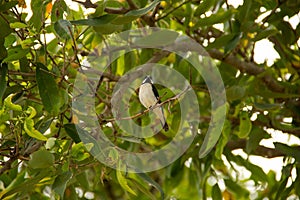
(155, 92)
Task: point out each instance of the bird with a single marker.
(149, 97)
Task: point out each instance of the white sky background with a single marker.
(264, 52)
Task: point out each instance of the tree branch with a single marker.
(259, 151)
(176, 97)
(247, 67)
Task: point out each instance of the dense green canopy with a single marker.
(44, 154)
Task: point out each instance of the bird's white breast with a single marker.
(146, 95)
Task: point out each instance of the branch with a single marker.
(132, 5)
(86, 3)
(176, 97)
(247, 67)
(259, 151)
(7, 164)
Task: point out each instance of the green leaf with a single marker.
(7, 5)
(288, 150)
(3, 81)
(157, 38)
(5, 29)
(103, 24)
(220, 17)
(256, 135)
(41, 159)
(16, 53)
(236, 189)
(50, 143)
(60, 183)
(48, 90)
(108, 28)
(257, 173)
(224, 139)
(31, 131)
(233, 43)
(235, 92)
(245, 125)
(3, 50)
(143, 11)
(22, 184)
(281, 188)
(38, 9)
(82, 179)
(149, 180)
(221, 41)
(79, 151)
(31, 111)
(216, 192)
(63, 28)
(72, 132)
(97, 21)
(265, 34)
(204, 6)
(58, 9)
(17, 25)
(268, 107)
(212, 137)
(123, 181)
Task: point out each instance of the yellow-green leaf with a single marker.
(11, 106)
(245, 125)
(31, 131)
(123, 181)
(31, 111)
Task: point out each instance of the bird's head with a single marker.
(147, 80)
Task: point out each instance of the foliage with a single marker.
(41, 153)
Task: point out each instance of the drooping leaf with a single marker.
(148, 179)
(60, 183)
(216, 192)
(233, 43)
(72, 132)
(31, 131)
(10, 105)
(255, 136)
(212, 137)
(63, 28)
(38, 9)
(48, 90)
(224, 139)
(288, 150)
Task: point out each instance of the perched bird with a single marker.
(149, 97)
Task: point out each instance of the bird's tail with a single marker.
(166, 126)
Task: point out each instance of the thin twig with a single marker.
(176, 97)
